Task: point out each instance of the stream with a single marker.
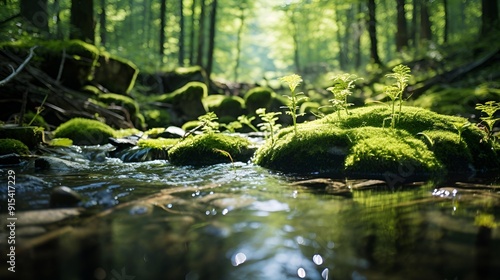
(153, 220)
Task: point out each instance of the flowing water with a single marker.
(240, 221)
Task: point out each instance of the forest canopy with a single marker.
(247, 40)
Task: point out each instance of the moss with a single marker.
(120, 100)
(357, 145)
(157, 118)
(207, 149)
(85, 131)
(116, 74)
(187, 126)
(13, 146)
(225, 107)
(92, 90)
(258, 97)
(124, 132)
(159, 143)
(31, 136)
(61, 142)
(187, 99)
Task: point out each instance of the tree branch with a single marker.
(19, 69)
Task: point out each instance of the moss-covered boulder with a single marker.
(31, 136)
(85, 132)
(211, 148)
(227, 108)
(423, 144)
(187, 100)
(258, 97)
(13, 146)
(118, 75)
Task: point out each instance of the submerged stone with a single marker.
(211, 148)
(362, 145)
(13, 146)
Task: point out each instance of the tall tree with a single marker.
(242, 16)
(201, 34)
(425, 22)
(82, 20)
(402, 32)
(372, 31)
(192, 32)
(181, 34)
(211, 38)
(102, 22)
(163, 12)
(35, 12)
(489, 19)
(446, 21)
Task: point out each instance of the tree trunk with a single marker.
(35, 12)
(211, 38)
(181, 34)
(401, 33)
(191, 33)
(372, 31)
(425, 22)
(414, 25)
(102, 22)
(446, 21)
(82, 20)
(357, 39)
(201, 35)
(490, 23)
(295, 37)
(238, 41)
(163, 11)
(57, 14)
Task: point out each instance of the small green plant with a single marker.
(489, 108)
(341, 89)
(226, 154)
(269, 124)
(293, 81)
(232, 126)
(460, 127)
(248, 122)
(401, 74)
(209, 123)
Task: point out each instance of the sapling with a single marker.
(341, 89)
(248, 122)
(401, 74)
(293, 81)
(209, 123)
(269, 125)
(460, 127)
(490, 108)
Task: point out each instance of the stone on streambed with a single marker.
(423, 144)
(210, 148)
(13, 146)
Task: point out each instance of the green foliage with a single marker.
(258, 97)
(460, 127)
(61, 142)
(293, 81)
(13, 146)
(248, 122)
(401, 74)
(85, 131)
(342, 88)
(269, 124)
(489, 108)
(208, 123)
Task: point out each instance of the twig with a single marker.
(61, 66)
(20, 68)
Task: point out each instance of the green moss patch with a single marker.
(187, 99)
(13, 146)
(361, 144)
(85, 131)
(212, 148)
(259, 97)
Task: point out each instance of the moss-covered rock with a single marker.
(116, 74)
(422, 145)
(188, 99)
(211, 148)
(13, 146)
(31, 136)
(227, 108)
(258, 97)
(85, 131)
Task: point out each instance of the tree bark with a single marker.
(35, 12)
(425, 22)
(446, 21)
(163, 11)
(238, 41)
(402, 32)
(191, 33)
(102, 22)
(372, 31)
(181, 34)
(201, 35)
(490, 23)
(82, 20)
(211, 37)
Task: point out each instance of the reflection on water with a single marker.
(253, 224)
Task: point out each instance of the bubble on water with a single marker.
(301, 272)
(238, 259)
(325, 273)
(318, 259)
